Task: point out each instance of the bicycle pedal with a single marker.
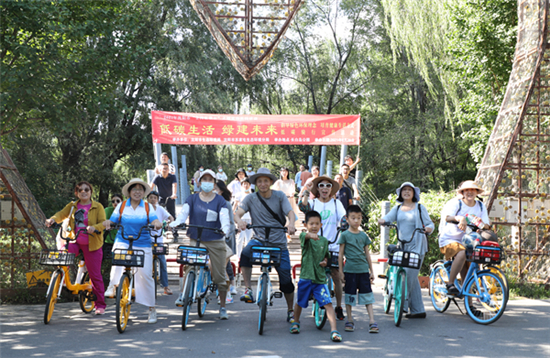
(382, 276)
(278, 294)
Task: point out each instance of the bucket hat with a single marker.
(409, 184)
(262, 172)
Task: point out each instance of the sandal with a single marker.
(335, 336)
(295, 328)
(349, 327)
(373, 328)
(167, 291)
(476, 312)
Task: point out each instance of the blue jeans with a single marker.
(285, 278)
(163, 271)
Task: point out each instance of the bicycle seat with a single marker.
(392, 249)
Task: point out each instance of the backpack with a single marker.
(460, 206)
(124, 205)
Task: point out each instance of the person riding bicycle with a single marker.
(163, 215)
(267, 208)
(460, 209)
(133, 214)
(332, 211)
(206, 208)
(89, 242)
(410, 215)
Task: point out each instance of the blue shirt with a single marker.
(297, 180)
(205, 214)
(132, 220)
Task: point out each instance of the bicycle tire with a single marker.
(489, 300)
(320, 315)
(388, 296)
(438, 289)
(86, 303)
(156, 268)
(204, 283)
(187, 298)
(498, 272)
(123, 302)
(399, 295)
(262, 303)
(51, 299)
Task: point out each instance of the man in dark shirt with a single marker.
(344, 194)
(167, 188)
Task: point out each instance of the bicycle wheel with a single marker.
(500, 274)
(320, 315)
(202, 289)
(156, 273)
(400, 294)
(488, 298)
(85, 298)
(187, 298)
(51, 299)
(123, 302)
(388, 296)
(262, 303)
(438, 289)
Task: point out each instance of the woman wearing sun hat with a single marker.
(410, 215)
(135, 215)
(324, 188)
(450, 234)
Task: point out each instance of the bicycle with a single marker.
(319, 312)
(158, 250)
(484, 292)
(197, 287)
(396, 276)
(130, 259)
(62, 259)
(267, 257)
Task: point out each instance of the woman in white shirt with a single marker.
(287, 186)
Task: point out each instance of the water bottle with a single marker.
(474, 220)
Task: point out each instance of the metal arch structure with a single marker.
(247, 31)
(515, 171)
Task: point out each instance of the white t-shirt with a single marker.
(449, 232)
(162, 215)
(221, 176)
(330, 219)
(235, 188)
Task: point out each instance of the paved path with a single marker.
(523, 331)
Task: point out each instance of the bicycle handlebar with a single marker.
(199, 231)
(130, 238)
(420, 230)
(471, 226)
(59, 226)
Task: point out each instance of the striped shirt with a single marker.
(132, 220)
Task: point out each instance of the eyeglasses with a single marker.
(116, 201)
(85, 190)
(323, 185)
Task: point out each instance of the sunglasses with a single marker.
(116, 201)
(85, 190)
(323, 185)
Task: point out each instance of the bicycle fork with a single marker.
(52, 283)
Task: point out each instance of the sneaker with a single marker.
(167, 291)
(290, 316)
(339, 313)
(233, 290)
(452, 290)
(248, 296)
(179, 301)
(110, 292)
(99, 311)
(229, 299)
(223, 313)
(152, 316)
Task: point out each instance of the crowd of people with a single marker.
(332, 242)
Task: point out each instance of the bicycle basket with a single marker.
(487, 252)
(191, 255)
(56, 258)
(160, 249)
(266, 256)
(334, 259)
(131, 258)
(405, 259)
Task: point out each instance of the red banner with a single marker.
(215, 129)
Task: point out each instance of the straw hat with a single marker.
(316, 181)
(262, 172)
(469, 184)
(146, 186)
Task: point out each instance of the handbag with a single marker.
(63, 231)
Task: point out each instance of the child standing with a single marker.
(358, 273)
(315, 257)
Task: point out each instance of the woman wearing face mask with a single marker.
(209, 209)
(220, 175)
(244, 236)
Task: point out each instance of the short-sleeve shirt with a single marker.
(356, 261)
(165, 185)
(304, 176)
(344, 195)
(349, 182)
(279, 204)
(162, 215)
(449, 232)
(205, 214)
(331, 213)
(313, 252)
(132, 220)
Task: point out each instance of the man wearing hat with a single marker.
(256, 204)
(324, 188)
(450, 234)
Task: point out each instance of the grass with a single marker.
(537, 291)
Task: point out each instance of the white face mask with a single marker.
(207, 186)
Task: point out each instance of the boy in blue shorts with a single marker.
(315, 256)
(357, 274)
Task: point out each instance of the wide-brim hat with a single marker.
(316, 181)
(409, 184)
(209, 172)
(262, 172)
(146, 186)
(469, 184)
